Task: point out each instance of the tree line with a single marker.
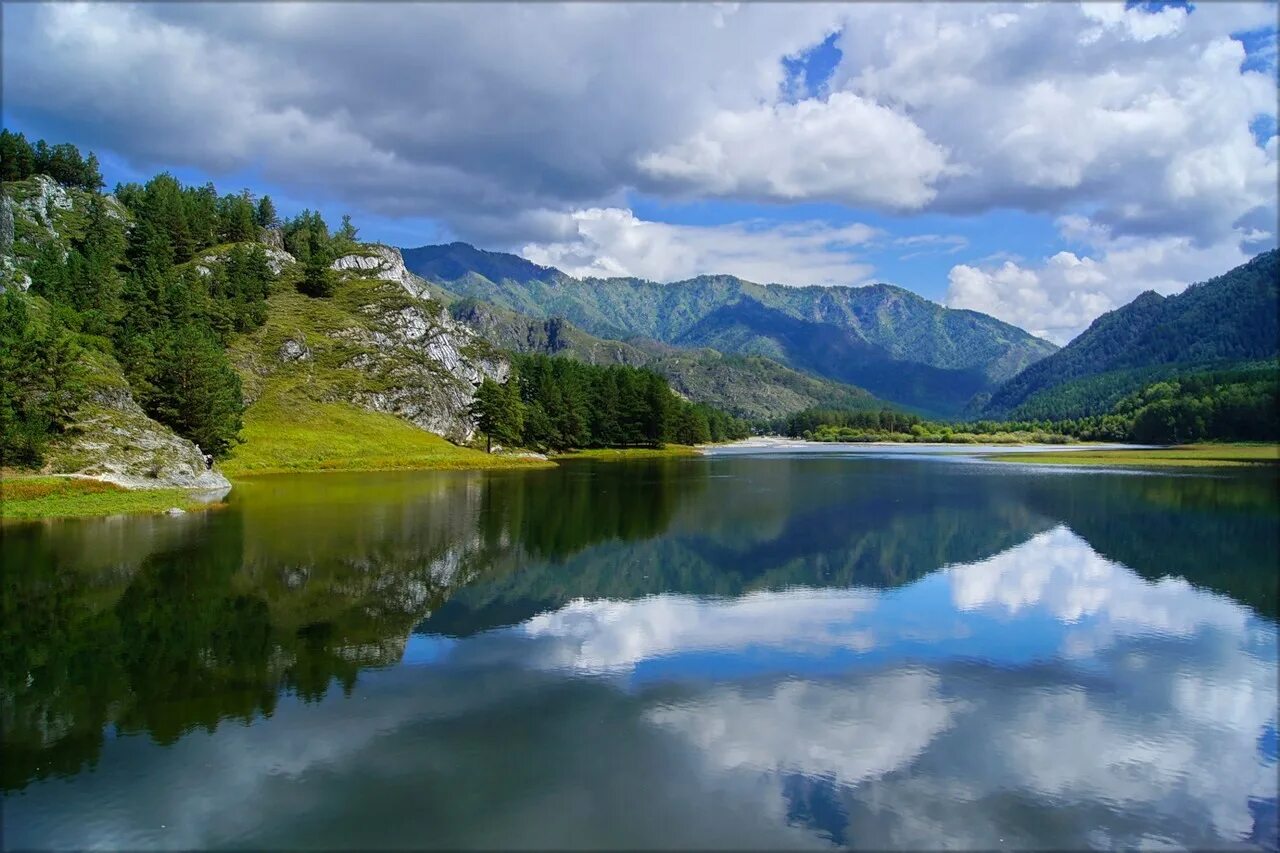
(562, 404)
(1237, 404)
(19, 160)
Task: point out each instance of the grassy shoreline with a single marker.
(284, 439)
(622, 453)
(1182, 456)
(29, 498)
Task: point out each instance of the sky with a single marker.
(1043, 163)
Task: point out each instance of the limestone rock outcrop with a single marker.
(385, 263)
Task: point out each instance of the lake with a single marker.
(766, 648)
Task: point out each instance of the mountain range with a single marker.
(747, 386)
(1225, 321)
(898, 346)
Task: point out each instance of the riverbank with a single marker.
(1184, 456)
(621, 453)
(24, 498)
(371, 443)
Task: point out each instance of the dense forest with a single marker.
(122, 284)
(1239, 404)
(561, 404)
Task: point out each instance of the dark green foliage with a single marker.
(40, 382)
(239, 289)
(307, 238)
(238, 217)
(1241, 404)
(568, 404)
(128, 296)
(1238, 405)
(20, 160)
(317, 278)
(265, 215)
(498, 412)
(1229, 319)
(193, 388)
(810, 420)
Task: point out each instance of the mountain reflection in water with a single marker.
(751, 651)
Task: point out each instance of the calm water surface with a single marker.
(774, 649)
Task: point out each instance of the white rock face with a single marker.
(292, 350)
(51, 196)
(385, 263)
(277, 260)
(430, 363)
(114, 440)
(9, 272)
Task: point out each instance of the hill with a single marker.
(144, 332)
(1228, 320)
(895, 344)
(746, 386)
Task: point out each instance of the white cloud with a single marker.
(607, 242)
(437, 109)
(1060, 296)
(604, 636)
(531, 125)
(820, 730)
(845, 149)
(1140, 117)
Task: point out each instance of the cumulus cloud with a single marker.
(820, 730)
(603, 636)
(1142, 117)
(845, 149)
(1058, 297)
(426, 109)
(607, 242)
(532, 126)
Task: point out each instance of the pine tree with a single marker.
(197, 393)
(265, 215)
(498, 412)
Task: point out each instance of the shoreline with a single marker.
(35, 497)
(1100, 454)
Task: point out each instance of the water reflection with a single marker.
(744, 652)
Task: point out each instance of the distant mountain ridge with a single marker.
(896, 344)
(747, 386)
(1226, 320)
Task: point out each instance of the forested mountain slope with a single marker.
(897, 345)
(1231, 319)
(142, 331)
(746, 386)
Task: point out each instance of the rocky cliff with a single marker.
(112, 439)
(380, 342)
